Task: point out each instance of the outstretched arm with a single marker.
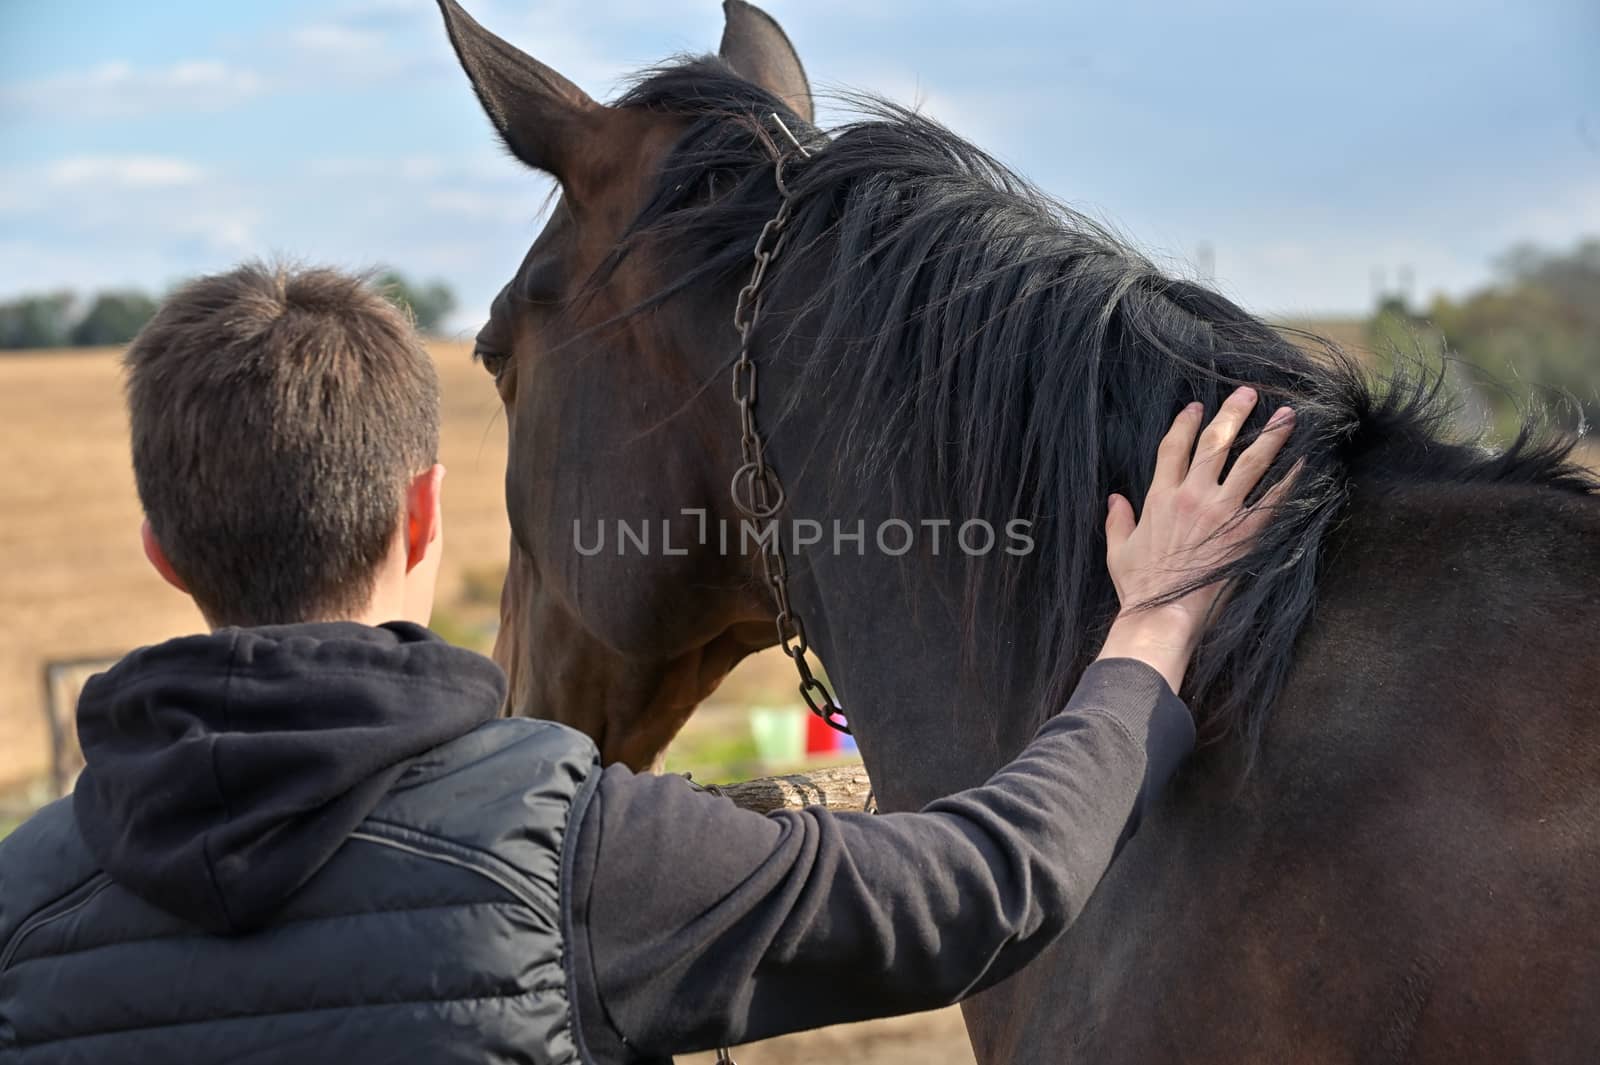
(697, 923)
(694, 923)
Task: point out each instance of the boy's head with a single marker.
(285, 429)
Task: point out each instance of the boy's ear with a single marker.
(158, 558)
(424, 513)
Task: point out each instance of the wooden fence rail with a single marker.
(845, 787)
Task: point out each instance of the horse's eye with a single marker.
(493, 359)
(490, 346)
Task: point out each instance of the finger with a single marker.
(1172, 457)
(1219, 436)
(1120, 522)
(1266, 508)
(1256, 459)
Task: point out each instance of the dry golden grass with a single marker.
(75, 582)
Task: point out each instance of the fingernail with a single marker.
(1244, 390)
(1195, 408)
(1281, 417)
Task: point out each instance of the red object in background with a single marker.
(820, 739)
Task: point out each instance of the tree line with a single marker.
(64, 319)
(1534, 330)
(1532, 335)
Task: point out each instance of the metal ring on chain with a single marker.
(744, 490)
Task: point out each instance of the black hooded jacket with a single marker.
(319, 843)
(222, 771)
(379, 853)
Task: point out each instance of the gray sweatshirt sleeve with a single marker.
(696, 923)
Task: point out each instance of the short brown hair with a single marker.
(278, 415)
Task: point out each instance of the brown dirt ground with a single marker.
(923, 1039)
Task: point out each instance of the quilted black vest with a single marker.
(434, 934)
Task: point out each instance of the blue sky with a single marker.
(1308, 143)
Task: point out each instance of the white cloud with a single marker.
(407, 168)
(119, 214)
(122, 90)
(147, 171)
(331, 38)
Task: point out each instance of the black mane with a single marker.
(991, 353)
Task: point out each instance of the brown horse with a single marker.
(1389, 851)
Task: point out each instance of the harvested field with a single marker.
(77, 584)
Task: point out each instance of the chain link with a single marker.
(756, 490)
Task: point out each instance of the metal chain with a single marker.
(756, 490)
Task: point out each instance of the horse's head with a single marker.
(606, 406)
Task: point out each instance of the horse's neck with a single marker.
(930, 718)
(1439, 559)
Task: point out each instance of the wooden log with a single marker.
(844, 787)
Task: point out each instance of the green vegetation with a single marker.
(716, 755)
(453, 626)
(62, 320)
(37, 321)
(7, 827)
(1536, 330)
(113, 318)
(430, 304)
(65, 320)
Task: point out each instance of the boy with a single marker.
(309, 836)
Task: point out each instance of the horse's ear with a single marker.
(540, 115)
(758, 50)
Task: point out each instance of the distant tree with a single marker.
(36, 321)
(1538, 327)
(1394, 330)
(430, 304)
(1534, 334)
(113, 318)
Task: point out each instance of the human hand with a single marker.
(1193, 521)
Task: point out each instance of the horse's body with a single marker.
(1411, 871)
(1388, 852)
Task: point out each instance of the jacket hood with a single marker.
(222, 771)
